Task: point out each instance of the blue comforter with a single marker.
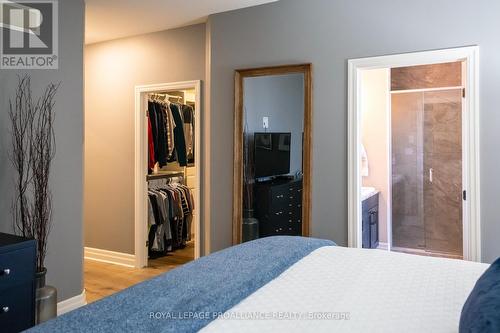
(190, 297)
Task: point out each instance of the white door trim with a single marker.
(141, 157)
(471, 151)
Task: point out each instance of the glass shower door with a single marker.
(408, 230)
(427, 171)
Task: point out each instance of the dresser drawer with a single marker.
(279, 196)
(17, 267)
(16, 312)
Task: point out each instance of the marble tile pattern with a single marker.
(427, 76)
(443, 153)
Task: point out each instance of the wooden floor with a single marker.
(103, 279)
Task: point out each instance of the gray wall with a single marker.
(64, 257)
(112, 70)
(327, 33)
(281, 99)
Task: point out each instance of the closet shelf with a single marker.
(165, 175)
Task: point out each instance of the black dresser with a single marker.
(278, 207)
(17, 283)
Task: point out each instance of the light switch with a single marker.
(265, 122)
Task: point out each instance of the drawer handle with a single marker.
(6, 271)
(5, 309)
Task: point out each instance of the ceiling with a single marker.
(111, 19)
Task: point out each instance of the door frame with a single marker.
(141, 166)
(470, 140)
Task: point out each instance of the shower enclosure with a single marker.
(427, 170)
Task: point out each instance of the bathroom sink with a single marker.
(367, 192)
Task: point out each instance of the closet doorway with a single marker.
(173, 173)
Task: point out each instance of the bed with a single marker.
(288, 284)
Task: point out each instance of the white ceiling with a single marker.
(111, 19)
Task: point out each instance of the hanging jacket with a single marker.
(188, 117)
(170, 125)
(162, 135)
(179, 139)
(151, 147)
(154, 127)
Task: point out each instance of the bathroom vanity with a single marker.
(370, 224)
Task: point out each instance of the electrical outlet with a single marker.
(265, 122)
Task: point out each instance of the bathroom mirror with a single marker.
(272, 154)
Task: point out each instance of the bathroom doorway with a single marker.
(413, 164)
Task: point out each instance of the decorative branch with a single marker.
(33, 149)
(43, 152)
(21, 115)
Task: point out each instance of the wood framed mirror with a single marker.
(272, 152)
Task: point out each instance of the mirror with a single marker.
(272, 168)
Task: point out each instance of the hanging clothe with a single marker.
(170, 131)
(179, 139)
(170, 217)
(188, 117)
(171, 136)
(154, 127)
(162, 135)
(151, 147)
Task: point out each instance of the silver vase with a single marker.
(250, 226)
(46, 299)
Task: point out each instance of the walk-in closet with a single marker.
(170, 222)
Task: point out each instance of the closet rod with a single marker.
(165, 96)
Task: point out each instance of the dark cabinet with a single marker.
(370, 222)
(278, 207)
(17, 283)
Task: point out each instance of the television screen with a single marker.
(272, 154)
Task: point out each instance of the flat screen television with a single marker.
(272, 154)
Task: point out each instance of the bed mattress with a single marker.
(357, 290)
(287, 284)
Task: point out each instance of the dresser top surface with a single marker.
(13, 241)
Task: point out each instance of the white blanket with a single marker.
(356, 290)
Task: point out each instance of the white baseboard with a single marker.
(111, 257)
(71, 303)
